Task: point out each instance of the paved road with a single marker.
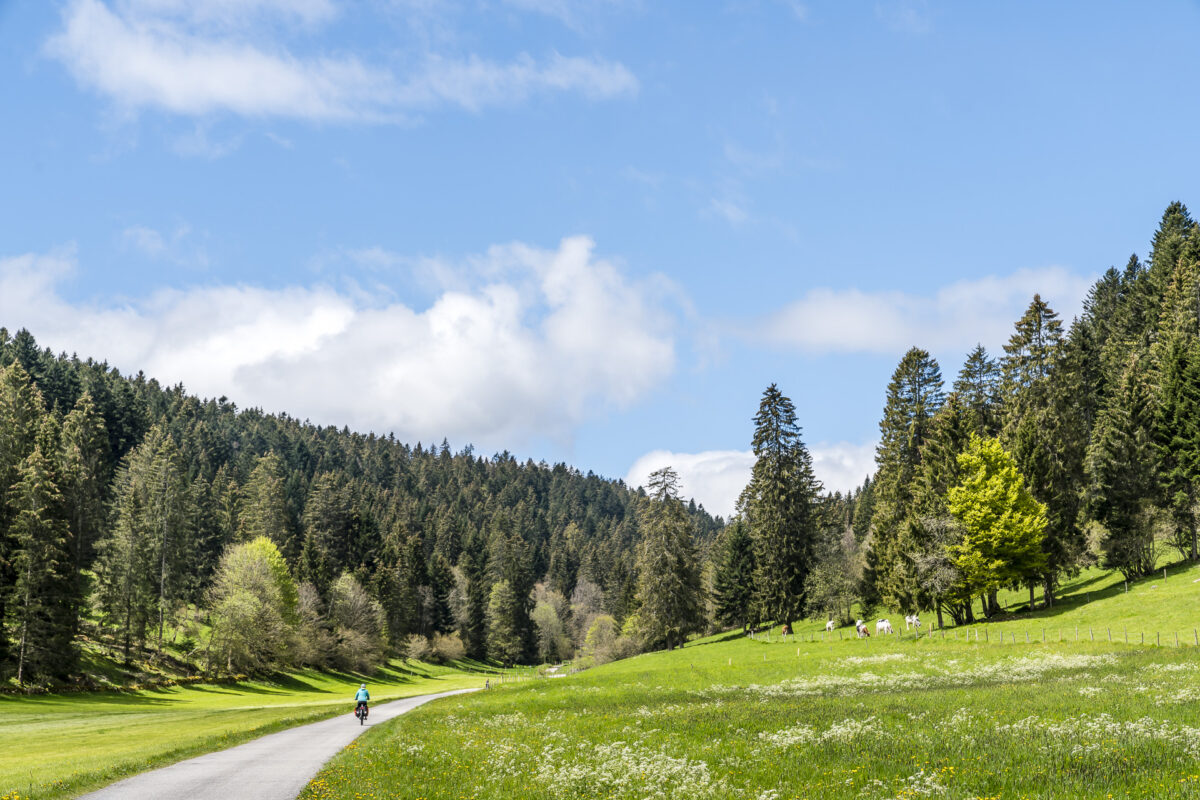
(273, 767)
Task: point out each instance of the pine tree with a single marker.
(1123, 471)
(733, 578)
(43, 606)
(914, 396)
(504, 640)
(669, 595)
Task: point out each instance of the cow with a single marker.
(829, 626)
(860, 628)
(883, 626)
(912, 620)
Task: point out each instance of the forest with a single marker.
(145, 523)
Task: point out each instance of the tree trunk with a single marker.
(1048, 592)
(969, 614)
(993, 603)
(939, 615)
(1031, 584)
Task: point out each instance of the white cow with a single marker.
(883, 626)
(829, 626)
(912, 620)
(860, 628)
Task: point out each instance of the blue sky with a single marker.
(587, 231)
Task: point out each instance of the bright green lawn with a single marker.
(59, 745)
(877, 719)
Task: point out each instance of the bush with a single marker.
(416, 647)
(448, 647)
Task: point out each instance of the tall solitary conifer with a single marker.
(779, 506)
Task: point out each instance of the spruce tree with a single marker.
(44, 608)
(914, 396)
(21, 411)
(263, 507)
(1045, 432)
(978, 386)
(1123, 471)
(85, 477)
(779, 508)
(669, 593)
(733, 576)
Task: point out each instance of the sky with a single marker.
(589, 231)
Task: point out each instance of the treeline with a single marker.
(1078, 445)
(162, 524)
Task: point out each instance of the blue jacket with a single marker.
(362, 695)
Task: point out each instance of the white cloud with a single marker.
(554, 337)
(954, 317)
(157, 54)
(730, 211)
(715, 478)
(175, 247)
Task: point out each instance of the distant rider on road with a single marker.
(361, 699)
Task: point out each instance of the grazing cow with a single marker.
(912, 620)
(883, 626)
(829, 626)
(860, 628)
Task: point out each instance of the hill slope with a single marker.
(881, 718)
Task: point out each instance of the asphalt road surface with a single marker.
(273, 767)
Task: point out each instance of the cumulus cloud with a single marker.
(543, 339)
(954, 317)
(715, 478)
(163, 54)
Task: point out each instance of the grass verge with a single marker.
(61, 745)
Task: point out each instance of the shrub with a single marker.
(448, 647)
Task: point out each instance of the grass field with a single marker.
(871, 720)
(60, 745)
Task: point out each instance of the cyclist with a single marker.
(361, 699)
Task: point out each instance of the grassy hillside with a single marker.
(59, 745)
(871, 720)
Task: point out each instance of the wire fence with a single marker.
(985, 635)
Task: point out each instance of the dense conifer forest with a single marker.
(133, 512)
(146, 523)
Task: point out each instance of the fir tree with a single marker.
(669, 595)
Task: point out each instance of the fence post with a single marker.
(1177, 638)
(1026, 636)
(1091, 635)
(1109, 633)
(1126, 635)
(985, 637)
(1077, 633)
(1043, 635)
(1157, 639)
(1196, 637)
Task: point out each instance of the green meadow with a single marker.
(59, 745)
(888, 717)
